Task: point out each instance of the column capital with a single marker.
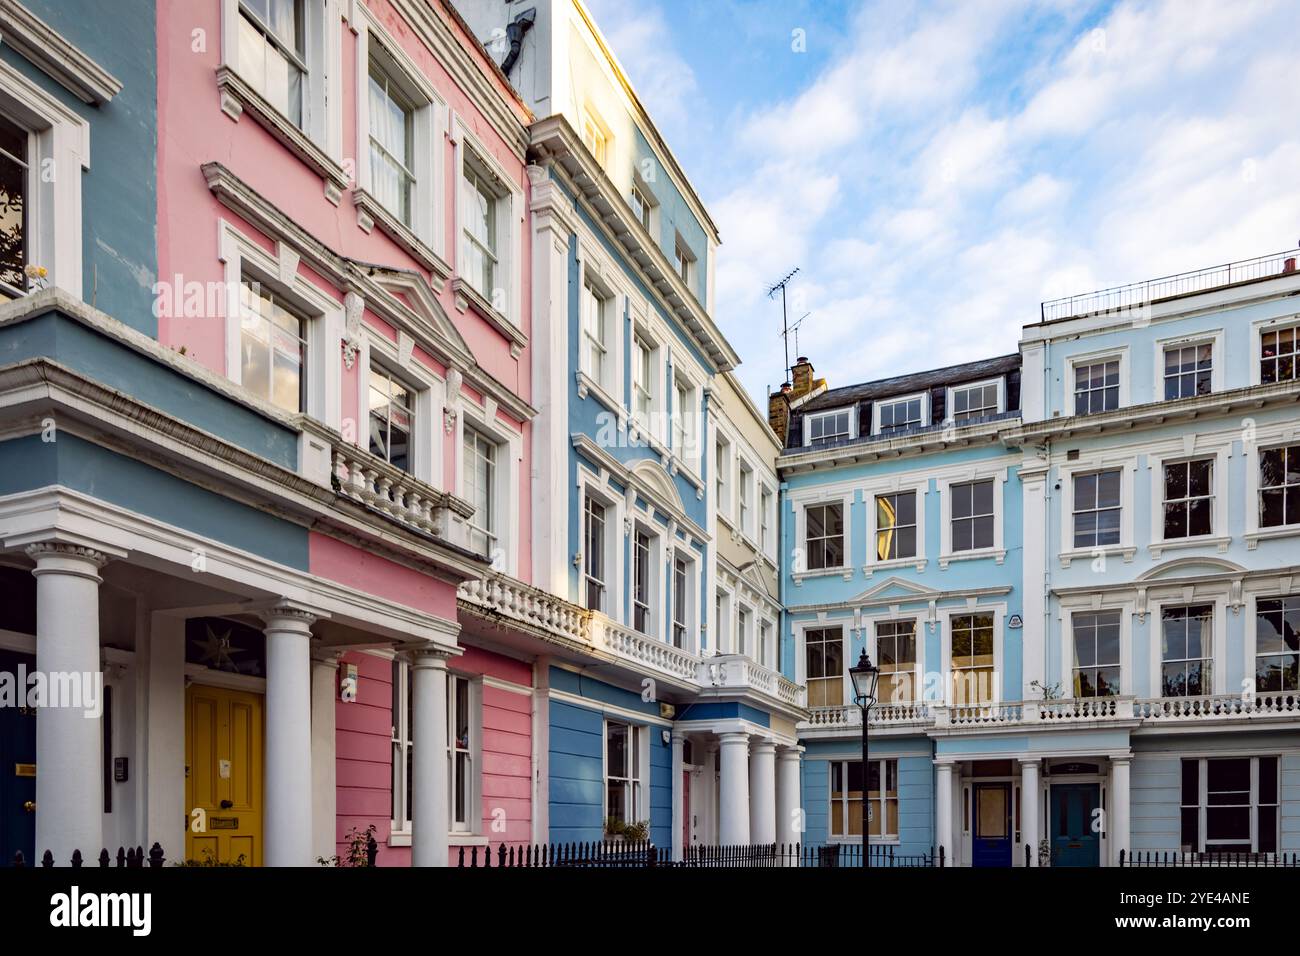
(734, 739)
(66, 557)
(764, 745)
(290, 615)
(1034, 762)
(432, 655)
(790, 751)
(1121, 760)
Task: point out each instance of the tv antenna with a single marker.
(794, 330)
(785, 329)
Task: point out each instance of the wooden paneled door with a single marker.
(224, 750)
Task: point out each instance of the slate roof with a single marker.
(915, 382)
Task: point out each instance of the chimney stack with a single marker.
(778, 411)
(803, 378)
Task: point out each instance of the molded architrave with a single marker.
(57, 56)
(433, 330)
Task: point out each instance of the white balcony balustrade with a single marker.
(530, 607)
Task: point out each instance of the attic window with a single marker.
(828, 427)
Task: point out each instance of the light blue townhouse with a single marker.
(1162, 515)
(656, 720)
(901, 510)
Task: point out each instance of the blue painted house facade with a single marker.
(1143, 654)
(658, 721)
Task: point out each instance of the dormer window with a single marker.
(899, 414)
(973, 402)
(827, 427)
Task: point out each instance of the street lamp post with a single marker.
(865, 675)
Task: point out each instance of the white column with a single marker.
(429, 820)
(166, 814)
(69, 749)
(789, 813)
(733, 805)
(762, 793)
(1028, 810)
(679, 802)
(1117, 828)
(288, 797)
(324, 807)
(943, 810)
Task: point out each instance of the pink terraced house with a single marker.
(343, 241)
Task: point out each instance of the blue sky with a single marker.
(938, 169)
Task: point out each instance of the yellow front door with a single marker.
(223, 775)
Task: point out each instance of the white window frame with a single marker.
(998, 611)
(1257, 331)
(681, 551)
(723, 602)
(871, 627)
(428, 395)
(744, 629)
(1125, 648)
(810, 417)
(682, 254)
(510, 442)
(1253, 801)
(471, 151)
(599, 148)
(644, 341)
(1219, 639)
(241, 256)
(322, 109)
(688, 456)
(800, 506)
(1217, 537)
(401, 741)
(1120, 354)
(1267, 436)
(649, 201)
(877, 406)
(474, 800)
(767, 520)
(58, 139)
(920, 489)
(595, 270)
(944, 487)
(1251, 634)
(1127, 465)
(1212, 338)
(746, 503)
(638, 752)
(766, 649)
(428, 196)
(723, 482)
(1097, 509)
(654, 576)
(951, 398)
(615, 509)
(845, 627)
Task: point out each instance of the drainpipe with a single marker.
(1047, 511)
(515, 34)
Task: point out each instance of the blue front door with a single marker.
(1074, 840)
(992, 837)
(17, 770)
